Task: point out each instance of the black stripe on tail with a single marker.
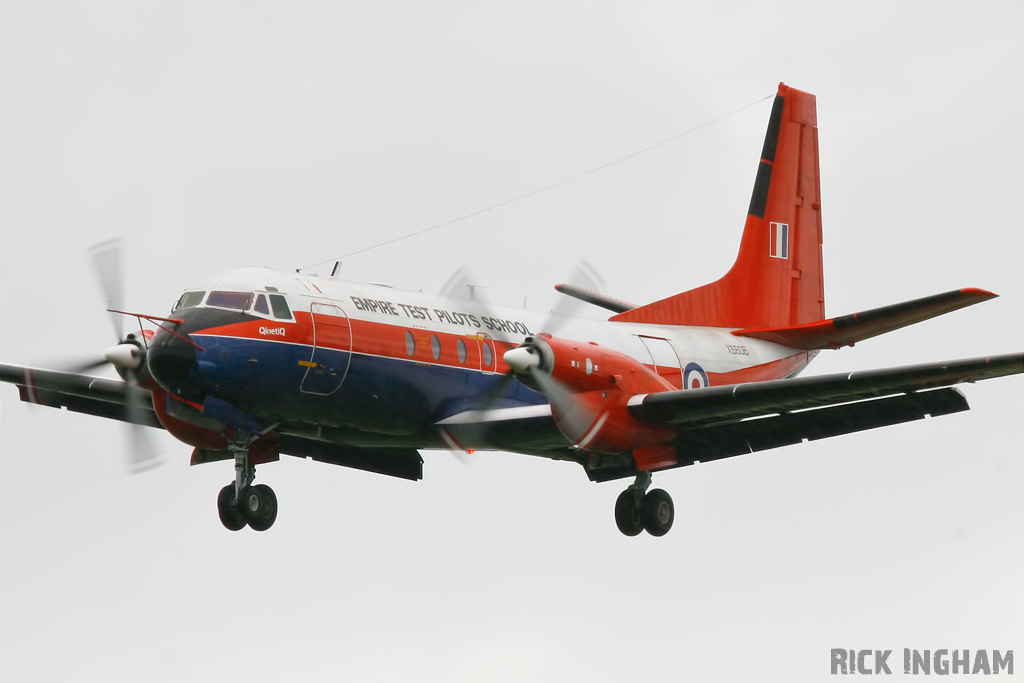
(759, 197)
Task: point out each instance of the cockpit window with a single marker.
(237, 300)
(261, 305)
(190, 299)
(280, 306)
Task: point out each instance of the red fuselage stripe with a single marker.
(389, 341)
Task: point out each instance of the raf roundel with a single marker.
(694, 377)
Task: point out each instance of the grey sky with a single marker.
(214, 135)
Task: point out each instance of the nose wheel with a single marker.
(255, 507)
(637, 509)
(241, 502)
(259, 506)
(227, 507)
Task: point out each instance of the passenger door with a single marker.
(332, 350)
(666, 361)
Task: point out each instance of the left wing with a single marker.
(722, 422)
(698, 407)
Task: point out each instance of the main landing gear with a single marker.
(241, 502)
(637, 509)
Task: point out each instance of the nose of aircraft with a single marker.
(171, 359)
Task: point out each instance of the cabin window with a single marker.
(463, 353)
(488, 355)
(261, 305)
(190, 300)
(280, 307)
(410, 343)
(237, 300)
(435, 346)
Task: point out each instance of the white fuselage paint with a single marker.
(707, 346)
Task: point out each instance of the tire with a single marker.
(230, 516)
(658, 512)
(627, 514)
(264, 516)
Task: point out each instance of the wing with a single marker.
(108, 398)
(721, 422)
(523, 429)
(97, 396)
(697, 407)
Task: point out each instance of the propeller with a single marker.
(583, 276)
(533, 360)
(106, 263)
(128, 356)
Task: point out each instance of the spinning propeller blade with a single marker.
(79, 367)
(575, 417)
(106, 262)
(526, 361)
(127, 356)
(142, 455)
(584, 276)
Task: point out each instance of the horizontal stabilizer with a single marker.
(585, 295)
(850, 329)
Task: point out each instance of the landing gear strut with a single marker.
(241, 502)
(637, 509)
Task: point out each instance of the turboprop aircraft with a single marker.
(255, 363)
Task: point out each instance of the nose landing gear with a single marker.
(241, 503)
(227, 507)
(637, 509)
(259, 506)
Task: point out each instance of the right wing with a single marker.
(97, 396)
(108, 398)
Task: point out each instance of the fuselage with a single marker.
(388, 363)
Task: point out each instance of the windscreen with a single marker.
(237, 300)
(190, 300)
(280, 306)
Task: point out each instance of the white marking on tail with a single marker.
(780, 240)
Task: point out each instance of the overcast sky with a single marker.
(212, 135)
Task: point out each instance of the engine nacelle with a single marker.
(600, 421)
(589, 366)
(600, 381)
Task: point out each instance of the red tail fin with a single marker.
(777, 278)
